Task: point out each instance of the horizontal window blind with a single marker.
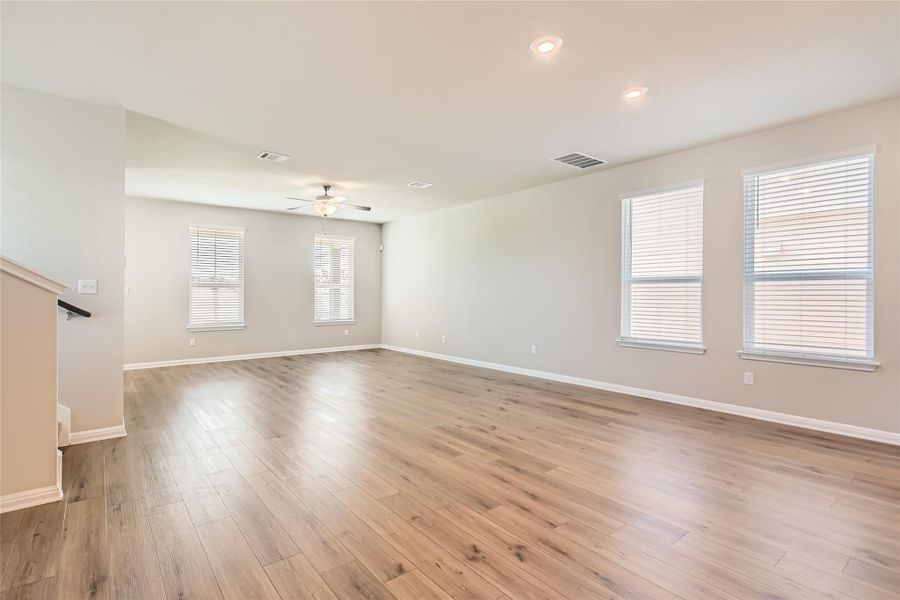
(662, 267)
(808, 259)
(216, 296)
(333, 274)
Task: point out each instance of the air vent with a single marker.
(419, 185)
(577, 159)
(272, 156)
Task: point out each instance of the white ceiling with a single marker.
(370, 96)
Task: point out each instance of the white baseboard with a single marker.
(95, 435)
(865, 433)
(30, 498)
(215, 359)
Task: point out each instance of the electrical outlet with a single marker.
(443, 338)
(346, 332)
(127, 290)
(534, 349)
(193, 341)
(417, 334)
(748, 378)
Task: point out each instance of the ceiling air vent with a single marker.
(272, 156)
(577, 159)
(419, 185)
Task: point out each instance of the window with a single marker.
(662, 269)
(333, 276)
(808, 263)
(216, 296)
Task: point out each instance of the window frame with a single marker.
(218, 326)
(748, 352)
(625, 265)
(352, 319)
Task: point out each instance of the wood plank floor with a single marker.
(375, 475)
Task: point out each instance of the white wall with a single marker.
(278, 283)
(541, 266)
(63, 181)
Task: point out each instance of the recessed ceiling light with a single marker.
(634, 92)
(547, 44)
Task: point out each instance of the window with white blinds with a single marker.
(808, 260)
(662, 269)
(333, 279)
(216, 294)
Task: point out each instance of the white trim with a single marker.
(7, 265)
(865, 433)
(799, 162)
(812, 361)
(674, 347)
(228, 228)
(344, 238)
(326, 323)
(63, 418)
(95, 435)
(663, 188)
(59, 470)
(30, 498)
(216, 327)
(232, 357)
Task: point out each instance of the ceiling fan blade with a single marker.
(298, 199)
(301, 206)
(356, 206)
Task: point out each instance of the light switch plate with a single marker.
(87, 286)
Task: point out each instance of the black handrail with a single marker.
(72, 309)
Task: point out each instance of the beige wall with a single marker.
(62, 211)
(277, 283)
(27, 386)
(541, 266)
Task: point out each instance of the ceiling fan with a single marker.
(326, 204)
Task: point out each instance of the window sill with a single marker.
(810, 361)
(217, 328)
(685, 348)
(325, 323)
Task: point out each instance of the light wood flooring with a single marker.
(375, 475)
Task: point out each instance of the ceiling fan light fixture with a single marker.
(326, 204)
(326, 209)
